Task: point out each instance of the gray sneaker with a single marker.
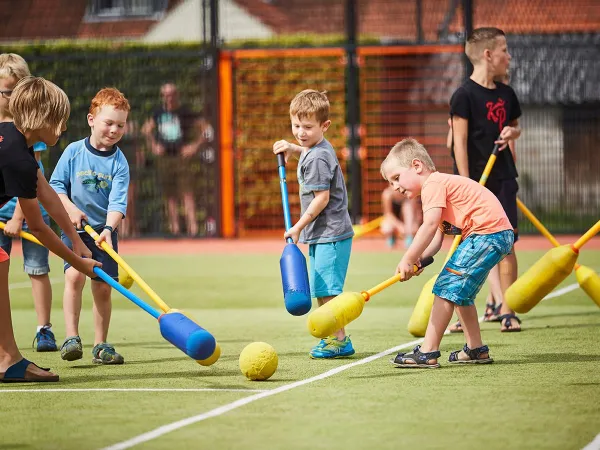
(106, 354)
(71, 349)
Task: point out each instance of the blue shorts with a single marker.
(463, 275)
(109, 265)
(35, 257)
(328, 267)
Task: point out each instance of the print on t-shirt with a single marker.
(497, 113)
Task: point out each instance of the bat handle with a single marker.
(280, 159)
(284, 192)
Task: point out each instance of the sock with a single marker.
(48, 327)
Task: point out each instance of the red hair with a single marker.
(109, 96)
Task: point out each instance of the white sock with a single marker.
(42, 326)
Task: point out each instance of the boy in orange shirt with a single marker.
(451, 205)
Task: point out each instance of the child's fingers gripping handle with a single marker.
(424, 263)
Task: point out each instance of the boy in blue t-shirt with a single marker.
(91, 179)
(12, 69)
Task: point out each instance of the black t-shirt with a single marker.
(488, 112)
(18, 167)
(174, 128)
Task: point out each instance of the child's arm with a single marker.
(14, 226)
(315, 207)
(117, 204)
(148, 131)
(511, 132)
(435, 246)
(51, 201)
(427, 231)
(287, 147)
(460, 127)
(449, 137)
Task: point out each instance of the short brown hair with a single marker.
(310, 102)
(480, 40)
(109, 96)
(403, 153)
(37, 103)
(13, 65)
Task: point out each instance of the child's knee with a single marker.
(101, 291)
(74, 278)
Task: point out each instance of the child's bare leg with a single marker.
(470, 323)
(9, 352)
(441, 313)
(41, 290)
(74, 283)
(173, 213)
(102, 310)
(508, 275)
(191, 220)
(341, 333)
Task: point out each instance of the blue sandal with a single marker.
(18, 373)
(417, 359)
(473, 354)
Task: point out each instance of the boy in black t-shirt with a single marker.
(485, 112)
(40, 111)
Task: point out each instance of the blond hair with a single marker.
(404, 152)
(308, 103)
(481, 39)
(13, 65)
(37, 103)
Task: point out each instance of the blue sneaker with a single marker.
(391, 241)
(45, 340)
(331, 347)
(407, 241)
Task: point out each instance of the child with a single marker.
(91, 179)
(36, 264)
(40, 111)
(481, 110)
(454, 205)
(401, 217)
(325, 223)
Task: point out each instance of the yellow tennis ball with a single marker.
(125, 279)
(212, 358)
(258, 361)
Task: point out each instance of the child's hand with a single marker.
(292, 233)
(80, 249)
(286, 147)
(86, 266)
(76, 217)
(507, 134)
(405, 269)
(13, 228)
(105, 236)
(188, 150)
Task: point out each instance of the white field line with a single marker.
(160, 431)
(27, 284)
(5, 391)
(594, 445)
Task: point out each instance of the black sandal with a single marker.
(473, 354)
(508, 324)
(416, 359)
(456, 328)
(492, 312)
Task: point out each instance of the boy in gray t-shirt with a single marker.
(325, 223)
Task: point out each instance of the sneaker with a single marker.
(105, 353)
(72, 349)
(331, 347)
(407, 241)
(45, 340)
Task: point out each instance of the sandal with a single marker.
(20, 373)
(507, 326)
(492, 312)
(473, 354)
(417, 359)
(456, 328)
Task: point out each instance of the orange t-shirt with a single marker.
(465, 204)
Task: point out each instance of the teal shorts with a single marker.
(463, 275)
(328, 267)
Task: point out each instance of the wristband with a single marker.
(108, 227)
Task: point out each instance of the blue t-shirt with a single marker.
(7, 211)
(95, 181)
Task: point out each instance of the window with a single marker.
(101, 10)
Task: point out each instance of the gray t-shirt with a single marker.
(319, 170)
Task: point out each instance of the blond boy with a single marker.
(325, 223)
(485, 112)
(35, 257)
(454, 205)
(40, 111)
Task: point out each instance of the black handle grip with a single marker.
(280, 159)
(496, 147)
(426, 261)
